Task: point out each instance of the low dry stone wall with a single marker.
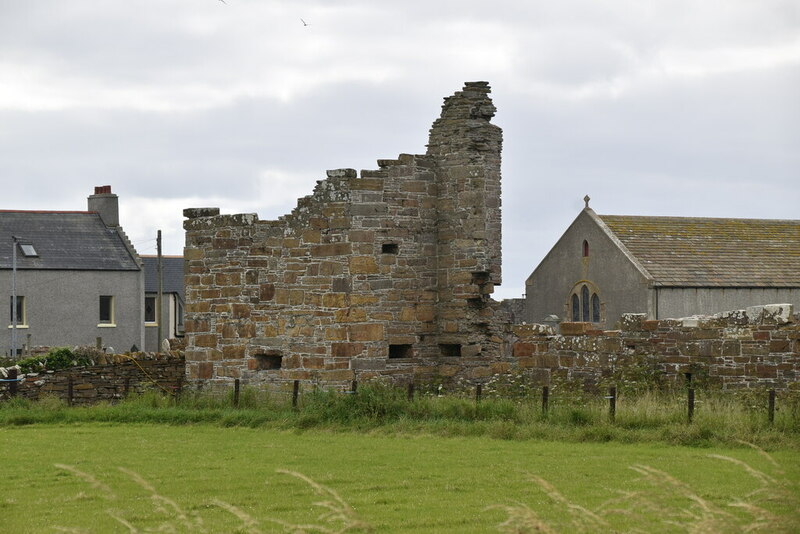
(120, 376)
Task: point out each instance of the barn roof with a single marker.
(172, 278)
(708, 252)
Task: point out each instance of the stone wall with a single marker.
(756, 347)
(387, 272)
(111, 381)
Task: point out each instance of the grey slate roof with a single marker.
(74, 240)
(172, 270)
(707, 252)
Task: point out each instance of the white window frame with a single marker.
(22, 319)
(111, 323)
(155, 310)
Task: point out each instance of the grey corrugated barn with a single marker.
(78, 277)
(607, 265)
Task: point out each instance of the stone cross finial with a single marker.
(587, 199)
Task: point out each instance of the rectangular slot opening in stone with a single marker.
(268, 362)
(390, 248)
(450, 350)
(476, 302)
(400, 351)
(480, 278)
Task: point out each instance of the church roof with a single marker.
(704, 252)
(69, 240)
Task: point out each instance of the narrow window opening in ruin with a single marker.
(450, 350)
(585, 249)
(268, 362)
(390, 248)
(400, 351)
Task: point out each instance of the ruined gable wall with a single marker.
(368, 276)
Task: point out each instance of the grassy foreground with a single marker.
(134, 478)
(719, 420)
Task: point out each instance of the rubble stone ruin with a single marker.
(386, 273)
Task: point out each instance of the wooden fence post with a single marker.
(354, 386)
(236, 393)
(612, 403)
(478, 391)
(69, 390)
(690, 407)
(12, 385)
(295, 393)
(410, 391)
(545, 399)
(771, 406)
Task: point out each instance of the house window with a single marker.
(585, 249)
(150, 309)
(18, 311)
(27, 250)
(106, 310)
(179, 315)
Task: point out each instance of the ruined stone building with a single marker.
(388, 273)
(377, 273)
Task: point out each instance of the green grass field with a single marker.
(96, 477)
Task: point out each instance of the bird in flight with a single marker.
(304, 22)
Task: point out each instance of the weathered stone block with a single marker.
(331, 249)
(363, 265)
(366, 332)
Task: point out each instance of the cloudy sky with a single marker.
(680, 107)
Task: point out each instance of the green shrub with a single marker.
(57, 358)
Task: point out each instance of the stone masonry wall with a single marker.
(756, 347)
(384, 273)
(110, 381)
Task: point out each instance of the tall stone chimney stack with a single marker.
(106, 204)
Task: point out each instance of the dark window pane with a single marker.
(150, 309)
(595, 308)
(106, 312)
(585, 304)
(20, 301)
(576, 308)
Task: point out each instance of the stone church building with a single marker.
(607, 265)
